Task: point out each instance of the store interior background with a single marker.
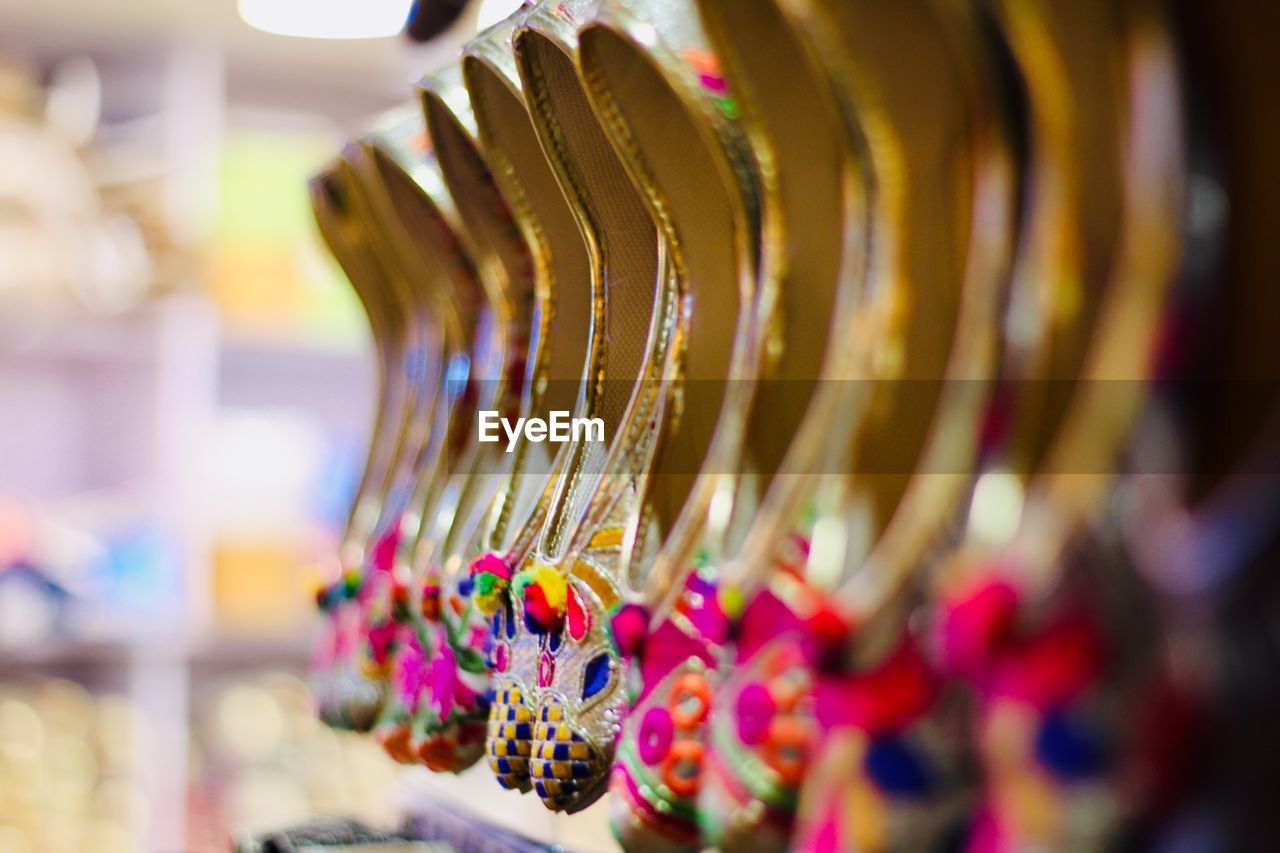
(185, 389)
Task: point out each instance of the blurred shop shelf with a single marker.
(129, 337)
(234, 651)
(221, 651)
(56, 655)
(332, 383)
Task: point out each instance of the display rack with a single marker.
(139, 395)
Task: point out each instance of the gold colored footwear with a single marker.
(351, 698)
(561, 359)
(424, 720)
(670, 118)
(633, 298)
(811, 200)
(1105, 126)
(825, 567)
(425, 294)
(504, 266)
(571, 321)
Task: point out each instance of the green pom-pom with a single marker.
(521, 582)
(485, 583)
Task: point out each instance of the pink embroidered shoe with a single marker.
(449, 725)
(761, 729)
(348, 698)
(883, 773)
(659, 765)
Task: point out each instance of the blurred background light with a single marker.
(493, 11)
(327, 19)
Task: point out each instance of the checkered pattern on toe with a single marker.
(564, 766)
(509, 739)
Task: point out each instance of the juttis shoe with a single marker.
(704, 202)
(811, 271)
(348, 698)
(632, 308)
(825, 575)
(403, 189)
(564, 352)
(1027, 622)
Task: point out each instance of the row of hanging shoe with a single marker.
(918, 487)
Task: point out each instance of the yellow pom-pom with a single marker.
(554, 587)
(488, 602)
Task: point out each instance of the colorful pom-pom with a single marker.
(731, 601)
(351, 581)
(431, 602)
(488, 593)
(628, 628)
(1052, 667)
(830, 634)
(976, 624)
(490, 578)
(546, 598)
(491, 564)
(400, 601)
